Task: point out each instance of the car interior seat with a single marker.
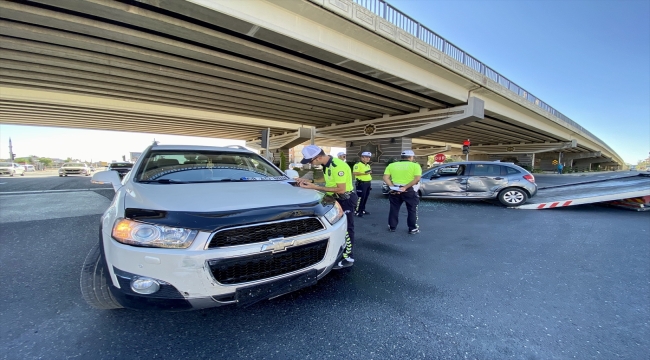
(167, 162)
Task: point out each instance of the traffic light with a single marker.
(466, 146)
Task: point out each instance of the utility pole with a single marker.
(11, 151)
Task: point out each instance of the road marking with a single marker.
(50, 191)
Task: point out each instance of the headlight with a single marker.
(335, 214)
(141, 234)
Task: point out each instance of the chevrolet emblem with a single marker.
(277, 245)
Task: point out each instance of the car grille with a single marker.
(264, 232)
(261, 266)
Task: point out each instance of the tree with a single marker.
(283, 162)
(23, 160)
(510, 159)
(45, 161)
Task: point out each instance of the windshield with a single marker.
(183, 166)
(121, 165)
(74, 165)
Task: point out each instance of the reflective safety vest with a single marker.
(337, 171)
(360, 167)
(403, 172)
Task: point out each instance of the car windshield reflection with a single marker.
(168, 167)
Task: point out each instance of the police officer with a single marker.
(402, 176)
(362, 171)
(338, 182)
(342, 156)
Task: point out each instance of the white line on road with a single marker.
(50, 191)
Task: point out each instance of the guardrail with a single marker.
(388, 12)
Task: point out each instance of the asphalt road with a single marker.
(480, 282)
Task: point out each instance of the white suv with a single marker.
(194, 227)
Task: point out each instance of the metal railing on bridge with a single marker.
(393, 15)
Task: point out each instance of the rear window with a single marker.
(512, 171)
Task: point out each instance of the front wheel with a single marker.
(94, 286)
(512, 197)
(11, 173)
(23, 174)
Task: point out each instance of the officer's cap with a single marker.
(341, 154)
(408, 153)
(309, 152)
(366, 153)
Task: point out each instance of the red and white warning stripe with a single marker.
(554, 204)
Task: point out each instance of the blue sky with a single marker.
(589, 59)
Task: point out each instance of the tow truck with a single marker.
(631, 191)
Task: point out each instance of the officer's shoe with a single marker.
(359, 214)
(390, 229)
(347, 262)
(414, 231)
(365, 212)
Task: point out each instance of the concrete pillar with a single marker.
(383, 150)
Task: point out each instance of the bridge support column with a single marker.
(384, 150)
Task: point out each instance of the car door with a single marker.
(485, 180)
(444, 181)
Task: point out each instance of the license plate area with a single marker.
(250, 295)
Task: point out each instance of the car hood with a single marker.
(208, 197)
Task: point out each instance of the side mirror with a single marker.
(107, 177)
(434, 176)
(292, 174)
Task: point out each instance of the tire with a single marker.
(94, 285)
(60, 175)
(512, 197)
(11, 173)
(23, 174)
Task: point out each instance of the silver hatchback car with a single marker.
(509, 183)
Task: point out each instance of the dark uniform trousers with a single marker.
(363, 191)
(348, 205)
(410, 197)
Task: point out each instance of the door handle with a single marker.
(498, 178)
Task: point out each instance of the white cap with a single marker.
(366, 153)
(408, 153)
(309, 152)
(341, 153)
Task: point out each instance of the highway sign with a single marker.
(439, 158)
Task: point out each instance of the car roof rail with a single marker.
(237, 147)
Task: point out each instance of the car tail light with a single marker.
(530, 178)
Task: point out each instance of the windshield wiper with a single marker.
(164, 181)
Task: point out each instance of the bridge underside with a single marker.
(178, 68)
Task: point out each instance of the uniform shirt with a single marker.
(360, 167)
(403, 172)
(337, 171)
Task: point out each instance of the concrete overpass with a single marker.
(329, 71)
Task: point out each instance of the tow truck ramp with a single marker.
(630, 192)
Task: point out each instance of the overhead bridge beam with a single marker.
(410, 125)
(524, 148)
(284, 141)
(431, 150)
